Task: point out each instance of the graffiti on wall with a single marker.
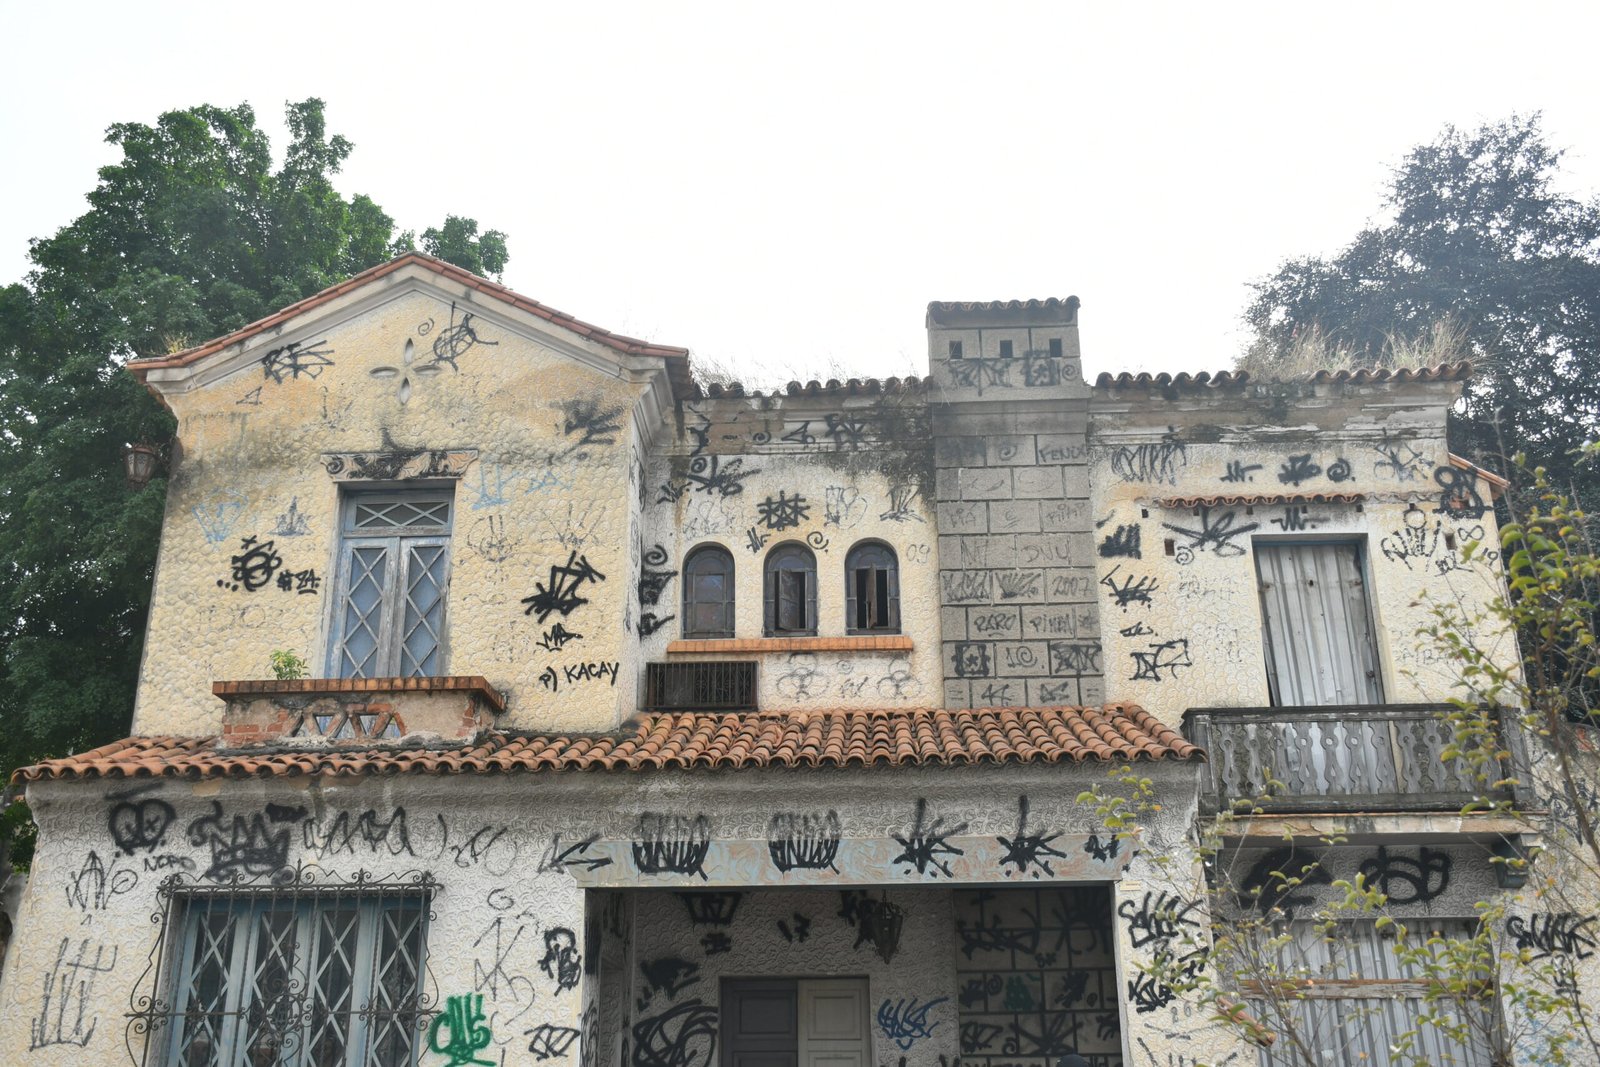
(65, 1016)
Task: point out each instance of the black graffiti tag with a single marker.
(1216, 533)
(250, 846)
(561, 593)
(64, 1010)
(549, 1041)
(456, 340)
(1159, 918)
(783, 511)
(561, 961)
(928, 843)
(808, 842)
(140, 825)
(1131, 590)
(1562, 933)
(671, 844)
(684, 1035)
(1024, 850)
(1408, 881)
(253, 567)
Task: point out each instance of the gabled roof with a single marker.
(677, 358)
(842, 738)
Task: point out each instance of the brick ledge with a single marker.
(861, 643)
(472, 683)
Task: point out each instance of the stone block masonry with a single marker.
(1019, 614)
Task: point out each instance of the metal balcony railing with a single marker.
(1385, 757)
(707, 686)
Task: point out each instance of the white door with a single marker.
(833, 1023)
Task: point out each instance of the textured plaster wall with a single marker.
(1181, 613)
(752, 475)
(552, 453)
(807, 934)
(513, 857)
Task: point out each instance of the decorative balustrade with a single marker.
(1344, 758)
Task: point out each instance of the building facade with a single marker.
(653, 724)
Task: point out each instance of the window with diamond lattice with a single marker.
(394, 573)
(295, 981)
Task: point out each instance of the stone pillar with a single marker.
(1010, 411)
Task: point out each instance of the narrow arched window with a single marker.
(791, 606)
(872, 589)
(708, 592)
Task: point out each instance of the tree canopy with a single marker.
(191, 234)
(1479, 248)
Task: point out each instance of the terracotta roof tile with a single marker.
(677, 358)
(1258, 499)
(831, 387)
(1444, 372)
(918, 736)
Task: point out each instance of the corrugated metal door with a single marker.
(1320, 647)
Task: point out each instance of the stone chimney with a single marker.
(1010, 412)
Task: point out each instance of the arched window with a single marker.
(708, 592)
(872, 589)
(791, 591)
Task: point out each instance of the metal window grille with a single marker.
(872, 590)
(295, 973)
(394, 574)
(1354, 997)
(1320, 647)
(708, 593)
(791, 591)
(711, 686)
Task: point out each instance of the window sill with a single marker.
(311, 687)
(884, 643)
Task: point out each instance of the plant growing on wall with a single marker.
(286, 666)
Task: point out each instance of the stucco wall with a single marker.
(1180, 607)
(826, 473)
(553, 450)
(513, 858)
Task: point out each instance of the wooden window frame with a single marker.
(882, 586)
(729, 603)
(1275, 671)
(778, 562)
(397, 542)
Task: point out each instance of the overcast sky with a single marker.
(784, 187)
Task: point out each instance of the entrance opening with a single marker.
(795, 1022)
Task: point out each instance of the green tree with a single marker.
(458, 241)
(191, 234)
(1477, 247)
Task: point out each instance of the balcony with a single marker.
(1349, 758)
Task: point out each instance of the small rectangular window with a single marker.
(1005, 349)
(955, 349)
(394, 575)
(1055, 348)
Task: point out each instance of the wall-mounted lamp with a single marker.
(139, 464)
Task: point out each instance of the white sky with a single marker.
(783, 187)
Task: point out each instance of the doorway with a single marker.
(795, 1022)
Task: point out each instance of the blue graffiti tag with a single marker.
(906, 1021)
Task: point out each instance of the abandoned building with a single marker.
(654, 723)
